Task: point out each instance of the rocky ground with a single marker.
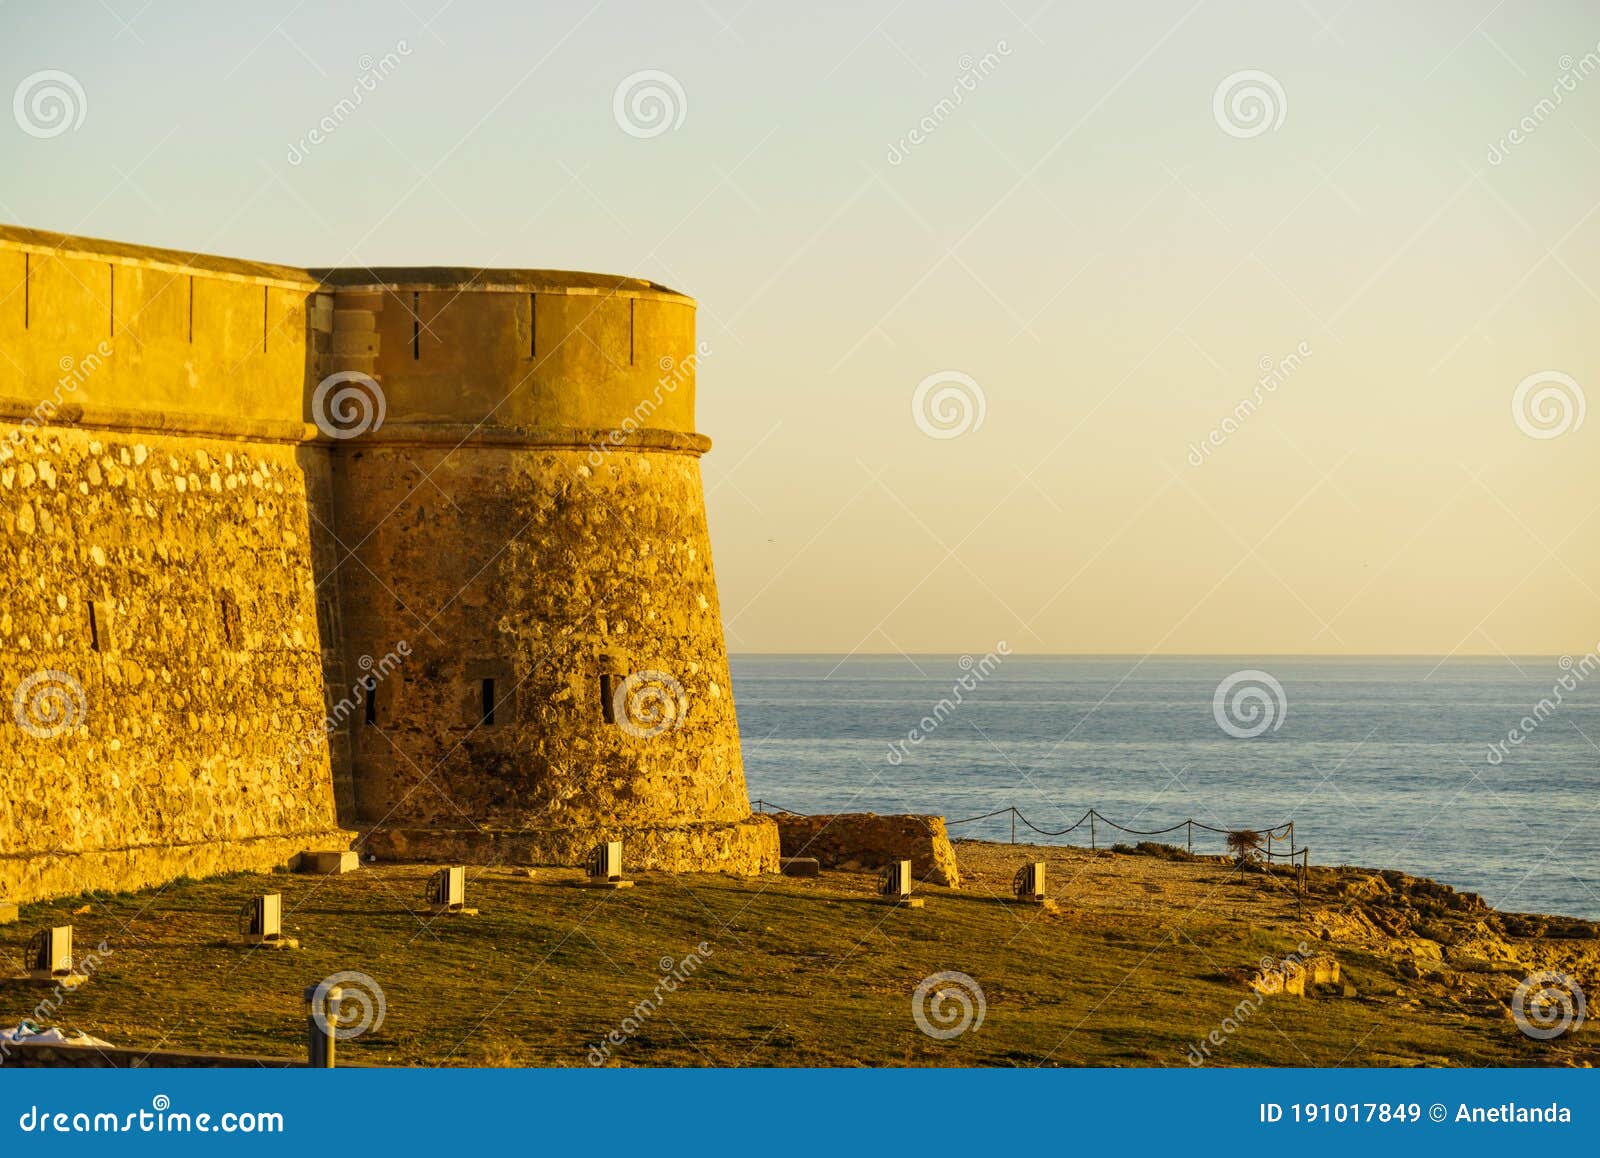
(1144, 957)
(1405, 943)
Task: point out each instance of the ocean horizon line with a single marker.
(1133, 655)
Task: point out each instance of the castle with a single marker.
(409, 560)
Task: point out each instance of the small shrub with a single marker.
(1245, 844)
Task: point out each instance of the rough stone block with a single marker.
(744, 848)
(867, 840)
(328, 862)
(800, 866)
(1297, 978)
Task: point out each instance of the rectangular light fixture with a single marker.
(894, 885)
(896, 879)
(447, 891)
(1028, 884)
(605, 867)
(261, 923)
(605, 863)
(50, 952)
(49, 958)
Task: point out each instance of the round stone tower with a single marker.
(523, 571)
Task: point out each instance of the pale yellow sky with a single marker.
(1105, 249)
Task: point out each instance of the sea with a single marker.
(1483, 773)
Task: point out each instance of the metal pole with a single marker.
(1191, 837)
(1013, 824)
(1093, 845)
(321, 1024)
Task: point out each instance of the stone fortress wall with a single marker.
(456, 513)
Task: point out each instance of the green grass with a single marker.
(799, 973)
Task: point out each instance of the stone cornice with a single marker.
(427, 434)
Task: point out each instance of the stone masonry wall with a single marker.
(466, 572)
(159, 654)
(556, 578)
(865, 840)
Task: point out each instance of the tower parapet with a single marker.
(530, 518)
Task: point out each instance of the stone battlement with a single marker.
(246, 344)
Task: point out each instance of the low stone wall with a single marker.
(865, 840)
(37, 876)
(743, 848)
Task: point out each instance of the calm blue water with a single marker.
(1380, 762)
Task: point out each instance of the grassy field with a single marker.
(1141, 958)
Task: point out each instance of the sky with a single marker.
(1189, 328)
